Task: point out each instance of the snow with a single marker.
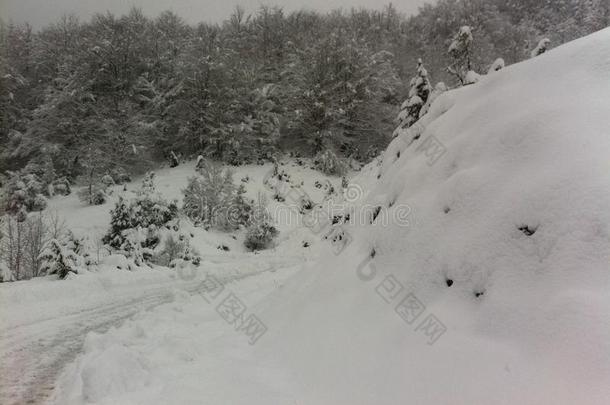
(489, 283)
(45, 320)
(498, 64)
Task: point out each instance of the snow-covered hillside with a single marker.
(44, 320)
(484, 279)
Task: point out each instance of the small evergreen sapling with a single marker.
(460, 51)
(59, 259)
(260, 232)
(418, 96)
(24, 193)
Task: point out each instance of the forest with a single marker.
(79, 98)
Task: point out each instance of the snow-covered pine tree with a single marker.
(261, 231)
(59, 259)
(120, 219)
(148, 184)
(24, 193)
(208, 194)
(439, 89)
(419, 91)
(460, 51)
(541, 48)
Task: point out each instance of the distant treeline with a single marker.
(127, 90)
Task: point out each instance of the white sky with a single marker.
(41, 12)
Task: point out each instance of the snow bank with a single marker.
(507, 184)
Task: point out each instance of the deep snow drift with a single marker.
(485, 277)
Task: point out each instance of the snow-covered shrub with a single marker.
(93, 194)
(212, 199)
(120, 176)
(120, 220)
(498, 64)
(24, 192)
(460, 51)
(260, 232)
(234, 212)
(176, 248)
(419, 91)
(134, 224)
(173, 248)
(107, 181)
(541, 47)
(61, 186)
(60, 259)
(329, 163)
(134, 246)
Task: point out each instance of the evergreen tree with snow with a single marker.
(460, 51)
(59, 259)
(419, 91)
(120, 219)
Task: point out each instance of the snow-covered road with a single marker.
(35, 347)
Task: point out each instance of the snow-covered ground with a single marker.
(484, 277)
(44, 321)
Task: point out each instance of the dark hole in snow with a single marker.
(528, 230)
(398, 155)
(378, 176)
(446, 210)
(478, 293)
(449, 282)
(376, 213)
(373, 253)
(416, 137)
(305, 244)
(223, 247)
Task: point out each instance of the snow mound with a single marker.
(483, 276)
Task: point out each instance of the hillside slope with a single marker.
(506, 243)
(483, 278)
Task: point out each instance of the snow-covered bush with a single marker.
(261, 231)
(136, 244)
(461, 53)
(498, 64)
(541, 48)
(146, 213)
(173, 248)
(120, 176)
(24, 192)
(93, 194)
(61, 186)
(59, 259)
(212, 199)
(419, 92)
(329, 163)
(176, 248)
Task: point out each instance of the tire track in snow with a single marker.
(33, 355)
